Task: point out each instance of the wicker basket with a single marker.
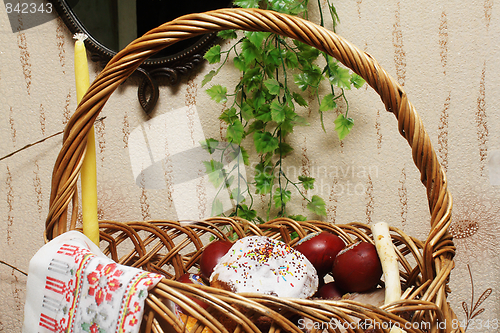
(173, 249)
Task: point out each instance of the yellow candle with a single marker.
(88, 172)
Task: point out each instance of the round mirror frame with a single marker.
(170, 67)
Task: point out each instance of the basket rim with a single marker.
(438, 247)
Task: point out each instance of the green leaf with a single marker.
(310, 77)
(247, 111)
(277, 111)
(307, 182)
(217, 207)
(283, 149)
(357, 81)
(209, 145)
(229, 116)
(245, 213)
(291, 60)
(252, 79)
(273, 86)
(215, 172)
(256, 37)
(317, 205)
(245, 156)
(264, 113)
(299, 99)
(237, 196)
(265, 142)
(334, 15)
(239, 63)
(209, 77)
(246, 3)
(301, 80)
(227, 34)
(257, 125)
(235, 132)
(343, 126)
(86, 327)
(249, 51)
(281, 197)
(218, 93)
(340, 77)
(259, 99)
(298, 217)
(328, 103)
(307, 54)
(263, 179)
(213, 54)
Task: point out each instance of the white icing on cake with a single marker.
(262, 264)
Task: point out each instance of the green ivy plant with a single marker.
(264, 107)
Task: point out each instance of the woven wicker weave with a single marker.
(173, 249)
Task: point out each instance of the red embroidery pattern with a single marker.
(73, 251)
(103, 282)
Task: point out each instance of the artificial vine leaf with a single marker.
(343, 126)
(227, 34)
(291, 60)
(218, 93)
(307, 54)
(247, 111)
(252, 79)
(283, 149)
(299, 99)
(317, 205)
(277, 111)
(340, 77)
(264, 113)
(213, 54)
(263, 179)
(357, 81)
(256, 37)
(307, 182)
(281, 197)
(301, 80)
(217, 207)
(239, 63)
(257, 125)
(273, 86)
(310, 77)
(237, 196)
(209, 145)
(209, 77)
(235, 132)
(327, 103)
(281, 6)
(334, 15)
(245, 213)
(215, 172)
(298, 218)
(249, 51)
(265, 142)
(229, 116)
(259, 99)
(246, 3)
(244, 154)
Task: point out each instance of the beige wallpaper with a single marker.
(444, 53)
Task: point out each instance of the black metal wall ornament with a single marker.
(171, 63)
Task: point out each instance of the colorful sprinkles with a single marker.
(259, 263)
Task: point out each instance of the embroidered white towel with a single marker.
(73, 287)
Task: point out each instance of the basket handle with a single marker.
(68, 163)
